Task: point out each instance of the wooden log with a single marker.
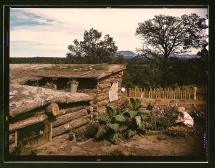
(53, 109)
(101, 98)
(103, 103)
(28, 103)
(70, 110)
(69, 117)
(101, 94)
(69, 126)
(104, 85)
(94, 95)
(27, 122)
(27, 115)
(103, 90)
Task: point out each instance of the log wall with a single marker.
(71, 117)
(102, 92)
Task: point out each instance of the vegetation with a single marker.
(122, 123)
(167, 36)
(92, 49)
(156, 64)
(167, 119)
(119, 123)
(139, 72)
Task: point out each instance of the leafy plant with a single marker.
(149, 107)
(135, 104)
(121, 123)
(167, 119)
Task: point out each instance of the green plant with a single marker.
(167, 119)
(117, 123)
(149, 107)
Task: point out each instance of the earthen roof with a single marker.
(26, 98)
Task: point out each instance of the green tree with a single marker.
(119, 59)
(93, 49)
(167, 36)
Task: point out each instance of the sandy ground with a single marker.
(147, 145)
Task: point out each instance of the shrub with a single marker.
(163, 118)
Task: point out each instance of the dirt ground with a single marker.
(147, 145)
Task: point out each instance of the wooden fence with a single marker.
(182, 93)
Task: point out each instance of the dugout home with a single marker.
(47, 101)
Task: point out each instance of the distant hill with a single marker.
(187, 56)
(130, 54)
(127, 54)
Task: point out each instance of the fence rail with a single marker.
(185, 93)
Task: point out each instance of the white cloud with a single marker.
(68, 24)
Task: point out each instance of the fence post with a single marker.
(194, 93)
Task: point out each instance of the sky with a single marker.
(47, 32)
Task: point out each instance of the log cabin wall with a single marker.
(71, 117)
(37, 126)
(102, 92)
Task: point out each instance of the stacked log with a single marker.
(56, 121)
(23, 121)
(70, 126)
(71, 118)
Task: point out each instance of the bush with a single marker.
(166, 118)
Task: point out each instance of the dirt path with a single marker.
(147, 145)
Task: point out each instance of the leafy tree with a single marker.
(93, 49)
(167, 36)
(119, 59)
